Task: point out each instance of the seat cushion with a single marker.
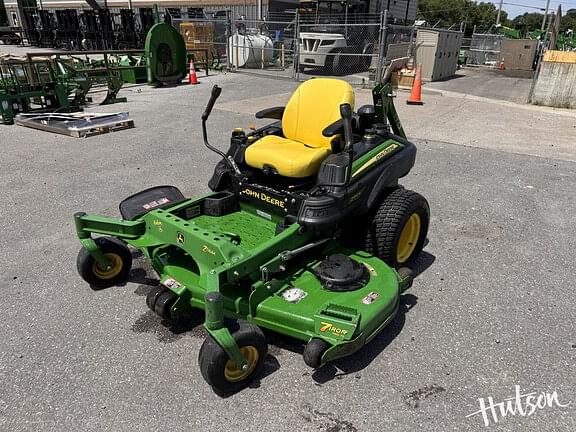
(289, 158)
(314, 106)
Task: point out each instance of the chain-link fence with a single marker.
(294, 49)
(263, 47)
(342, 50)
(484, 49)
(396, 42)
(207, 39)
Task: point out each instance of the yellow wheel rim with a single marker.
(408, 238)
(233, 374)
(108, 273)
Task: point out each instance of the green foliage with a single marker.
(533, 21)
(442, 12)
(483, 15)
(453, 12)
(446, 13)
(528, 22)
(568, 21)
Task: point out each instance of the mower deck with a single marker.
(233, 247)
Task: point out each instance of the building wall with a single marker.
(397, 9)
(78, 4)
(3, 14)
(518, 54)
(248, 8)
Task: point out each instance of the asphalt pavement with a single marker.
(507, 85)
(492, 308)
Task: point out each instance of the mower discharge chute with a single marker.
(306, 233)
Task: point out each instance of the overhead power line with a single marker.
(470, 7)
(561, 2)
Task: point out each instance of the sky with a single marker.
(520, 7)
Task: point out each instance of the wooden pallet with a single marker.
(87, 132)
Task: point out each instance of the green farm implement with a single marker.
(41, 84)
(306, 233)
(32, 87)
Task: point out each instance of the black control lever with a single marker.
(215, 94)
(229, 160)
(346, 113)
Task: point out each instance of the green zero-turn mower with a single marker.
(306, 233)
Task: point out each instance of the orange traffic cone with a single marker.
(416, 94)
(192, 78)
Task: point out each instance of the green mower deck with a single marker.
(232, 253)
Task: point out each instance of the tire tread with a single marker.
(386, 223)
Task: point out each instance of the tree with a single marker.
(483, 16)
(441, 12)
(528, 22)
(533, 21)
(446, 13)
(568, 21)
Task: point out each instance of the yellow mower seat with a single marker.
(314, 106)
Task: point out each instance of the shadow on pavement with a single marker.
(361, 359)
(170, 330)
(425, 261)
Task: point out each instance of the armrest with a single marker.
(335, 128)
(271, 113)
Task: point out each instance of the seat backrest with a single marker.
(314, 106)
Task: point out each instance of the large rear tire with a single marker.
(338, 67)
(366, 61)
(397, 230)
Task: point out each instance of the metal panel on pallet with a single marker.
(77, 125)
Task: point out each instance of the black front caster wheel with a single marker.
(221, 372)
(153, 295)
(160, 300)
(99, 276)
(164, 303)
(314, 351)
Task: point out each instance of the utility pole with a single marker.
(545, 15)
(499, 12)
(407, 10)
